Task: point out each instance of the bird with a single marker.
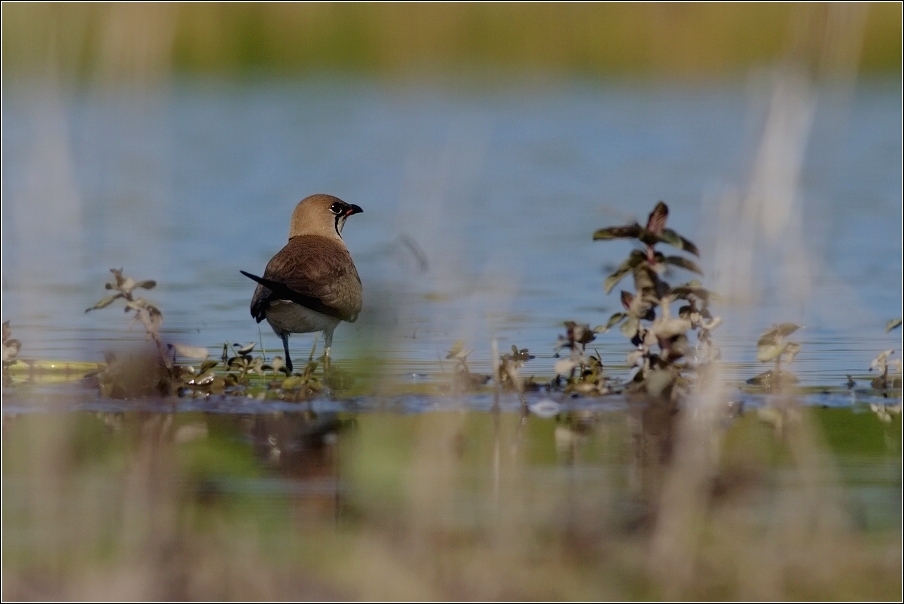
(311, 284)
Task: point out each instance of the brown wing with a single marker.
(316, 272)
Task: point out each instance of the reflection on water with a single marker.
(480, 204)
(380, 505)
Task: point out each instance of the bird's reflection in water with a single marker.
(304, 449)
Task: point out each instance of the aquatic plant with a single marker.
(11, 348)
(463, 380)
(657, 373)
(584, 371)
(138, 375)
(293, 386)
(882, 364)
(772, 347)
(507, 371)
(145, 312)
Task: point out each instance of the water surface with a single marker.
(498, 189)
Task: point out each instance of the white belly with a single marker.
(289, 317)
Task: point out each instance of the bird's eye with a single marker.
(336, 208)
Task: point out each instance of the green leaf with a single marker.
(683, 263)
(693, 288)
(104, 302)
(629, 327)
(674, 239)
(763, 379)
(633, 261)
(645, 282)
(790, 351)
(892, 324)
(117, 273)
(620, 232)
(614, 320)
(246, 349)
(786, 329)
(657, 218)
(291, 383)
(278, 364)
(669, 328)
(764, 354)
(626, 299)
(769, 350)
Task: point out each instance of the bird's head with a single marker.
(322, 215)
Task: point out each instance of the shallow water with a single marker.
(498, 187)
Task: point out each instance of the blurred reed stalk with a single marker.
(765, 225)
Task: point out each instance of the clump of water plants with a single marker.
(296, 386)
(509, 365)
(202, 379)
(660, 338)
(11, 348)
(772, 346)
(135, 375)
(141, 374)
(463, 379)
(882, 364)
(145, 312)
(582, 372)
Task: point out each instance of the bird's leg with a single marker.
(327, 344)
(285, 343)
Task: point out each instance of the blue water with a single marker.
(498, 187)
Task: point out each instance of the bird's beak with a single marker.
(353, 209)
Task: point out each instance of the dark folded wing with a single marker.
(313, 271)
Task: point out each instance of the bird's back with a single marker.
(321, 275)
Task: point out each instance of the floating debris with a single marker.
(545, 408)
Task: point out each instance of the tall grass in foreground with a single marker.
(444, 505)
(143, 41)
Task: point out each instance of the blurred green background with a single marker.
(672, 40)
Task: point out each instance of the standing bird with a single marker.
(312, 283)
